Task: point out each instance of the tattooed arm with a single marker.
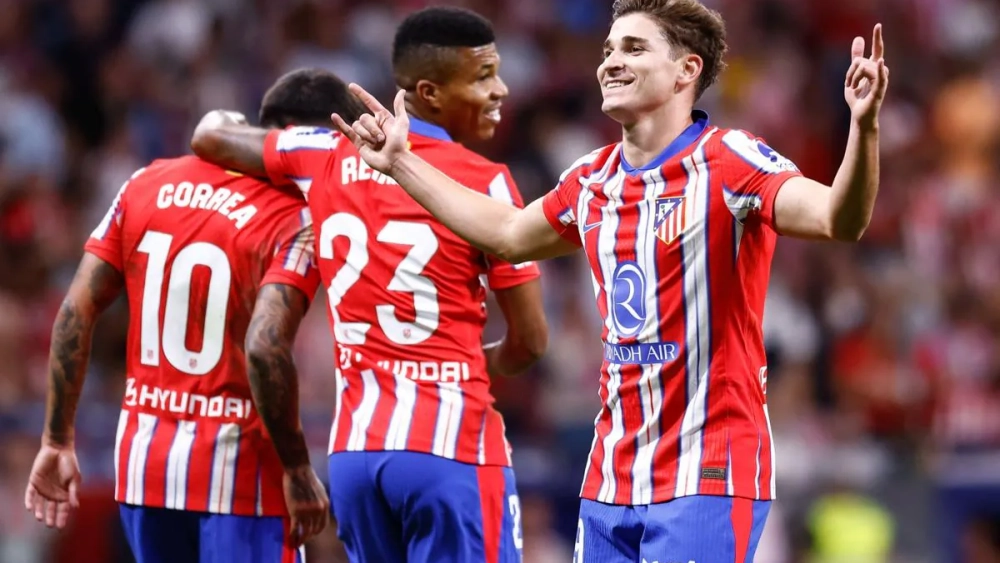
(274, 380)
(55, 474)
(274, 383)
(94, 288)
(225, 139)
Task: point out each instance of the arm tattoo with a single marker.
(94, 288)
(237, 147)
(271, 370)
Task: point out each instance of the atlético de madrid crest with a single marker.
(671, 218)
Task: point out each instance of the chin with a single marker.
(618, 111)
(486, 131)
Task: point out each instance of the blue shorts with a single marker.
(163, 535)
(704, 529)
(408, 506)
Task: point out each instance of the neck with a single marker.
(647, 137)
(422, 113)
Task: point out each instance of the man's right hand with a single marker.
(53, 484)
(381, 137)
(307, 502)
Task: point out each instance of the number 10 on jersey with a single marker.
(176, 309)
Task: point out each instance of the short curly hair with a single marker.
(426, 41)
(688, 25)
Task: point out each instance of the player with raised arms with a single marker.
(211, 463)
(678, 222)
(420, 469)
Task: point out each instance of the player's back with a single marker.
(407, 301)
(195, 243)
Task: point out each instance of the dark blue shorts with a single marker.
(421, 508)
(703, 529)
(162, 535)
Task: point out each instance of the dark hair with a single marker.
(423, 39)
(687, 25)
(307, 97)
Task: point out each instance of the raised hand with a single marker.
(52, 485)
(866, 80)
(308, 505)
(381, 136)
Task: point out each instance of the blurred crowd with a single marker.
(884, 379)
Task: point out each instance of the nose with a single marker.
(613, 62)
(500, 91)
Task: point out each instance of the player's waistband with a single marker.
(641, 353)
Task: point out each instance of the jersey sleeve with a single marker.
(105, 241)
(501, 274)
(559, 206)
(298, 154)
(752, 173)
(293, 262)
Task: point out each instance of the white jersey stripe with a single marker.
(650, 384)
(227, 450)
(260, 498)
(694, 243)
(449, 420)
(774, 481)
(177, 465)
(119, 435)
(481, 447)
(137, 459)
(606, 242)
(341, 386)
(399, 425)
(361, 418)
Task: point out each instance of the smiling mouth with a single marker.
(615, 84)
(493, 115)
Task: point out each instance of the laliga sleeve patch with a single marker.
(758, 154)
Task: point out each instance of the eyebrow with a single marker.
(627, 40)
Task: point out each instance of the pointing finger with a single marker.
(878, 47)
(370, 102)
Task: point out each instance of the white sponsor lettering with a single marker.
(169, 400)
(440, 372)
(207, 197)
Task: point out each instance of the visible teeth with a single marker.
(493, 115)
(615, 84)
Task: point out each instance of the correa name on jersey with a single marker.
(208, 197)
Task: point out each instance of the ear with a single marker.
(691, 66)
(429, 93)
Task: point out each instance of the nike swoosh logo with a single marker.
(590, 227)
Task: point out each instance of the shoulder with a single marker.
(589, 164)
(307, 137)
(740, 146)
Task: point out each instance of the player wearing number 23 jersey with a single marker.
(419, 465)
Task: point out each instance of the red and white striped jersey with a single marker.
(195, 243)
(406, 301)
(680, 253)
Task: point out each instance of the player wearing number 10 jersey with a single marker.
(198, 249)
(419, 465)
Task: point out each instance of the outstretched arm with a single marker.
(224, 138)
(274, 383)
(516, 235)
(808, 209)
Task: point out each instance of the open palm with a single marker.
(866, 80)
